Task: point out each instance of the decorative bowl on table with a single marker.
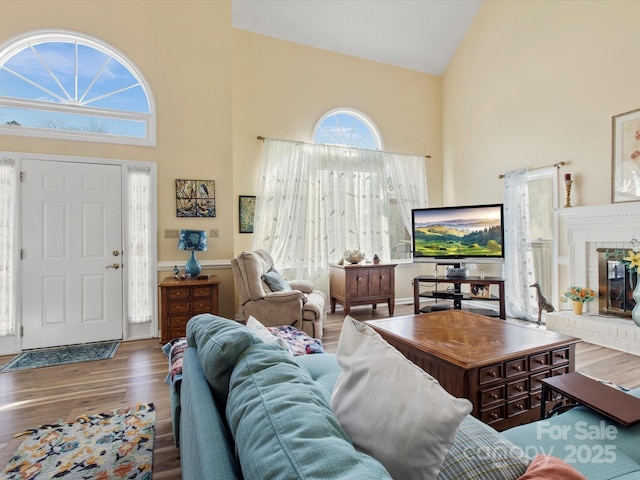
(353, 256)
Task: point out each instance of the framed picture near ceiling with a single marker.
(626, 157)
(247, 212)
(195, 198)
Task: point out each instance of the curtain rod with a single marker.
(261, 138)
(557, 165)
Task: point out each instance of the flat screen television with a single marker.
(453, 235)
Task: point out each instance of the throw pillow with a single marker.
(392, 409)
(546, 467)
(265, 334)
(276, 282)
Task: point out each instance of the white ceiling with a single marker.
(420, 35)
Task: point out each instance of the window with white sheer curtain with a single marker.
(529, 238)
(315, 201)
(7, 246)
(518, 263)
(139, 252)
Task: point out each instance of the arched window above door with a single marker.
(61, 84)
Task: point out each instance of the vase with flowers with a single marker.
(632, 262)
(579, 295)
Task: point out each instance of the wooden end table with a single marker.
(362, 284)
(608, 401)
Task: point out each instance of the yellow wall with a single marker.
(281, 89)
(534, 83)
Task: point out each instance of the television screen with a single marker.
(453, 234)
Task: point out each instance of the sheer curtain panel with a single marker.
(518, 263)
(316, 201)
(139, 253)
(409, 180)
(8, 247)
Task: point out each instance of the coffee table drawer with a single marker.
(539, 361)
(535, 381)
(535, 399)
(560, 356)
(516, 407)
(491, 396)
(515, 389)
(492, 415)
(490, 374)
(515, 367)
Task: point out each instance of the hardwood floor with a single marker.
(136, 375)
(46, 395)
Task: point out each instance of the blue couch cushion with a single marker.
(597, 447)
(323, 369)
(282, 424)
(220, 342)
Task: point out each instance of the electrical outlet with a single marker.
(214, 233)
(171, 233)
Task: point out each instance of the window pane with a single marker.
(69, 122)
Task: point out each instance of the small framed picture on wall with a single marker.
(195, 198)
(247, 213)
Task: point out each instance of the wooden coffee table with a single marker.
(498, 366)
(608, 401)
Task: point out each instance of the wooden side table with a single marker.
(608, 401)
(362, 284)
(182, 299)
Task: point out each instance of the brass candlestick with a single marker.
(567, 198)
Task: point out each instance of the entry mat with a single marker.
(50, 357)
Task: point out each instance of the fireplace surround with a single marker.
(589, 229)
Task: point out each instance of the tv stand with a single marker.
(455, 294)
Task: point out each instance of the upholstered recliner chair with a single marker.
(265, 295)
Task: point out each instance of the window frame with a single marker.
(18, 43)
(355, 113)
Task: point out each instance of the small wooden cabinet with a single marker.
(356, 284)
(182, 299)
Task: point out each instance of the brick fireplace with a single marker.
(589, 229)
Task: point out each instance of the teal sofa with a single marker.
(248, 409)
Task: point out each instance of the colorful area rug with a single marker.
(110, 446)
(49, 357)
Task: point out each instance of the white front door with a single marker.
(72, 251)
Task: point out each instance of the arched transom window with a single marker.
(349, 128)
(69, 85)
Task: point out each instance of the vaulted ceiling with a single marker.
(420, 35)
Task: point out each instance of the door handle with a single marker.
(115, 266)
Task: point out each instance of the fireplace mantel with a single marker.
(611, 223)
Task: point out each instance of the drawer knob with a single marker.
(494, 415)
(520, 407)
(493, 374)
(539, 361)
(359, 279)
(563, 356)
(381, 277)
(493, 396)
(517, 368)
(519, 388)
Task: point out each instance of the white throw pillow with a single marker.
(264, 333)
(392, 409)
